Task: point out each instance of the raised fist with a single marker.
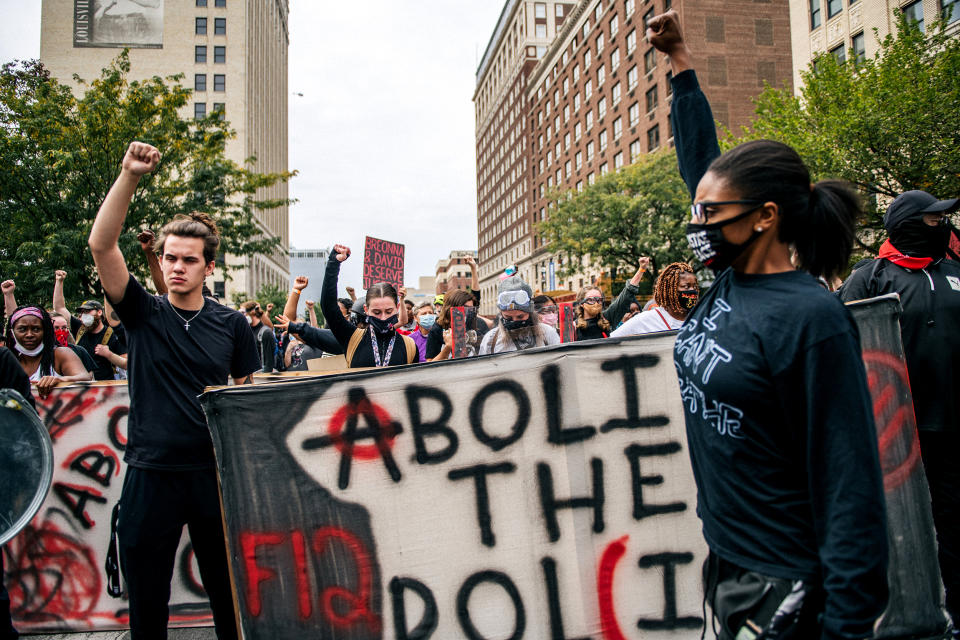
(644, 263)
(146, 238)
(140, 159)
(8, 286)
(60, 275)
(269, 307)
(402, 292)
(309, 304)
(663, 32)
(471, 262)
(301, 283)
(342, 251)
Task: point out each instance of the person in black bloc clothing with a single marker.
(12, 376)
(178, 343)
(915, 263)
(90, 330)
(778, 414)
(262, 334)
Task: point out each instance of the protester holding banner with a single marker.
(375, 342)
(779, 418)
(676, 292)
(914, 264)
(518, 326)
(437, 347)
(30, 335)
(180, 344)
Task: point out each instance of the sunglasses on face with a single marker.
(701, 211)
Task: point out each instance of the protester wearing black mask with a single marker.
(779, 419)
(518, 326)
(375, 341)
(914, 264)
(676, 293)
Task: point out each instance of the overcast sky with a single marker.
(383, 136)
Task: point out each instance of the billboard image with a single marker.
(118, 23)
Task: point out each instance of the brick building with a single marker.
(594, 100)
(453, 272)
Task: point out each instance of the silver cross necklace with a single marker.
(186, 322)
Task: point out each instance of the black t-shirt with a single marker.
(266, 347)
(169, 367)
(782, 438)
(89, 341)
(592, 331)
(12, 375)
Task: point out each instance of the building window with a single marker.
(541, 51)
(615, 94)
(614, 60)
(601, 75)
(635, 150)
(219, 54)
(577, 131)
(556, 124)
(649, 61)
(220, 26)
(630, 6)
(632, 78)
(603, 140)
(566, 112)
(566, 85)
(614, 26)
(839, 53)
(589, 120)
(201, 3)
(541, 30)
(576, 102)
(549, 158)
(604, 169)
(558, 8)
(601, 108)
(590, 152)
(669, 84)
(653, 138)
(598, 12)
(647, 17)
(219, 3)
(576, 73)
(200, 53)
(634, 114)
(200, 82)
(599, 44)
(587, 89)
(591, 178)
(651, 98)
(914, 13)
(631, 41)
(566, 58)
(814, 14)
(618, 160)
(566, 141)
(566, 169)
(579, 186)
(578, 158)
(540, 10)
(199, 110)
(220, 109)
(950, 10)
(219, 82)
(859, 48)
(617, 128)
(834, 7)
(200, 27)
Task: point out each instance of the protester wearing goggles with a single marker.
(518, 325)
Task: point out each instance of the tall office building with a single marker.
(234, 55)
(313, 264)
(594, 99)
(846, 27)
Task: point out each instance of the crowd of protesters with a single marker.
(790, 494)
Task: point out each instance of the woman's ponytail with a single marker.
(823, 235)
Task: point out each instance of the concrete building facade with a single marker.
(233, 53)
(596, 100)
(313, 264)
(845, 28)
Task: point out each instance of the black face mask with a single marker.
(688, 298)
(383, 326)
(712, 248)
(516, 325)
(916, 238)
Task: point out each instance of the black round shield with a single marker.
(26, 463)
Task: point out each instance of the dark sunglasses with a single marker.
(698, 211)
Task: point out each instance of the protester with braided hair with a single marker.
(675, 292)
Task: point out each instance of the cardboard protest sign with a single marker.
(509, 496)
(54, 567)
(382, 262)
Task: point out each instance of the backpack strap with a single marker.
(412, 353)
(669, 328)
(355, 340)
(107, 335)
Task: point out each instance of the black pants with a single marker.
(154, 507)
(939, 451)
(7, 632)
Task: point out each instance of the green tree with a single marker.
(887, 124)
(61, 152)
(638, 211)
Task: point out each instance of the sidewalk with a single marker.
(195, 633)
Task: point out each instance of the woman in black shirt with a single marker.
(374, 342)
(778, 414)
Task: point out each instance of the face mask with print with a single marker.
(87, 319)
(688, 298)
(516, 325)
(712, 248)
(62, 336)
(383, 325)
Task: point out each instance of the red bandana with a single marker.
(888, 251)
